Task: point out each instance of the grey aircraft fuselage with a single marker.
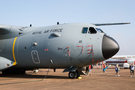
(66, 45)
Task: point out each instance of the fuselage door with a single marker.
(35, 56)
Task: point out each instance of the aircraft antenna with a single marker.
(57, 23)
(30, 25)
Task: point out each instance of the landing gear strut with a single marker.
(74, 75)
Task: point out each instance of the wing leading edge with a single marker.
(105, 24)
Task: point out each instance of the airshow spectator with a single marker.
(104, 69)
(132, 70)
(117, 69)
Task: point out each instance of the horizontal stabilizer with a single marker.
(105, 24)
(5, 63)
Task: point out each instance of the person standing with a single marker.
(104, 69)
(132, 70)
(117, 70)
(90, 67)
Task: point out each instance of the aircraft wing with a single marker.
(105, 24)
(123, 56)
(119, 57)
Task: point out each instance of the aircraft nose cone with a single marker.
(109, 47)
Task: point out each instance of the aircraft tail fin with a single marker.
(105, 24)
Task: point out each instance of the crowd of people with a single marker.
(117, 69)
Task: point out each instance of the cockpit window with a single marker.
(92, 30)
(99, 30)
(85, 29)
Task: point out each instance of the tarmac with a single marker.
(60, 81)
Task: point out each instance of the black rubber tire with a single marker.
(72, 75)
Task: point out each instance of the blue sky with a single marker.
(48, 12)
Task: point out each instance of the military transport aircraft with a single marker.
(69, 46)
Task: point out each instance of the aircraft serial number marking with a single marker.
(48, 31)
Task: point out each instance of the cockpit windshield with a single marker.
(99, 30)
(91, 30)
(85, 30)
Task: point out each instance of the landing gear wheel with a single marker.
(72, 75)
